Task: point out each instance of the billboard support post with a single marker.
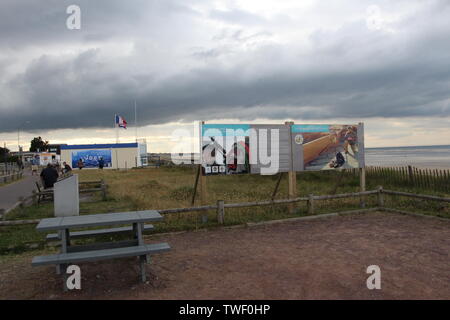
(199, 170)
(280, 176)
(292, 175)
(362, 164)
(203, 192)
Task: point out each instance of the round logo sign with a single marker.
(298, 139)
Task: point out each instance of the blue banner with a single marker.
(231, 130)
(90, 158)
(310, 128)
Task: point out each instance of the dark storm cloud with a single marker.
(350, 73)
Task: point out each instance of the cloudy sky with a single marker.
(386, 63)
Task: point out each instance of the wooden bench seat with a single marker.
(43, 194)
(75, 257)
(98, 232)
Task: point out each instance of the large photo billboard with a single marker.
(90, 158)
(254, 148)
(327, 147)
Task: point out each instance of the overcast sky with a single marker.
(386, 63)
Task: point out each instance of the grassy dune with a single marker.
(172, 187)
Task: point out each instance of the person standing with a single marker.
(80, 164)
(49, 176)
(34, 165)
(101, 163)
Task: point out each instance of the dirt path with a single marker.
(316, 259)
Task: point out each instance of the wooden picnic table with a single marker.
(100, 251)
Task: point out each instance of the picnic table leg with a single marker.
(65, 242)
(138, 227)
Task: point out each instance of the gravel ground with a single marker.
(316, 259)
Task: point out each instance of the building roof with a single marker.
(100, 146)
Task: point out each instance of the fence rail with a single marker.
(220, 206)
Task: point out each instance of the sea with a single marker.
(432, 157)
(436, 157)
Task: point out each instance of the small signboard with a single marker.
(66, 197)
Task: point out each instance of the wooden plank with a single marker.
(97, 255)
(102, 246)
(98, 220)
(98, 232)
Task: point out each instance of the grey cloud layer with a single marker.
(350, 72)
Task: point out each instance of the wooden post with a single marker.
(203, 191)
(21, 205)
(34, 197)
(103, 186)
(362, 185)
(380, 197)
(280, 176)
(292, 175)
(199, 170)
(220, 211)
(310, 204)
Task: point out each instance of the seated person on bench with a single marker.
(49, 176)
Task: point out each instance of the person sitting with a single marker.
(49, 176)
(66, 167)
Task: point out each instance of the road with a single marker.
(10, 193)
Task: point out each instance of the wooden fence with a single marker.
(11, 177)
(220, 206)
(435, 179)
(8, 168)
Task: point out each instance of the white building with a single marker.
(115, 156)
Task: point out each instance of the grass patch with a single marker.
(163, 188)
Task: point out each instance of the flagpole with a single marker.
(135, 121)
(116, 126)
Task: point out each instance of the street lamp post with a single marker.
(18, 139)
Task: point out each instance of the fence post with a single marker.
(21, 204)
(34, 197)
(310, 204)
(220, 211)
(410, 175)
(103, 186)
(362, 185)
(3, 213)
(380, 197)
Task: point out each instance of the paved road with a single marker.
(10, 193)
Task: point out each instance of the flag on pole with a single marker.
(120, 122)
